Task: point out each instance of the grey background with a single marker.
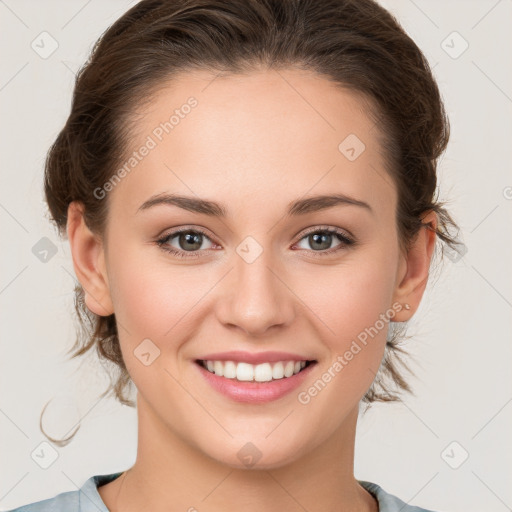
(462, 330)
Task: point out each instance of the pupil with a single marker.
(321, 240)
(190, 238)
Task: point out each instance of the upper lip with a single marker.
(241, 356)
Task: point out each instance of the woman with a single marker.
(248, 189)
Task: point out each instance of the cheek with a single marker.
(152, 304)
(352, 305)
(150, 295)
(151, 301)
(353, 308)
(350, 297)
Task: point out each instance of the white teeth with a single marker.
(218, 368)
(288, 369)
(278, 371)
(244, 371)
(263, 372)
(229, 370)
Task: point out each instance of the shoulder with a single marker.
(63, 501)
(85, 499)
(388, 502)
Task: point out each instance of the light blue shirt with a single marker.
(88, 499)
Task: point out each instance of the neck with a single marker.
(168, 470)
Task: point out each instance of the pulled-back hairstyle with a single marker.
(355, 44)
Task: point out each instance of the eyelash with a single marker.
(342, 237)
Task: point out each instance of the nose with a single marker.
(255, 297)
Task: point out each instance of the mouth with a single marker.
(257, 373)
(254, 384)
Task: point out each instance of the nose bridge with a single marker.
(255, 299)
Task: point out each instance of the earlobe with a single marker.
(89, 262)
(412, 284)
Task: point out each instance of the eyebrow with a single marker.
(299, 207)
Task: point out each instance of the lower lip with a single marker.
(255, 392)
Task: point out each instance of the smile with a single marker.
(260, 383)
(246, 372)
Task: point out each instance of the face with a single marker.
(277, 272)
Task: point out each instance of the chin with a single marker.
(255, 455)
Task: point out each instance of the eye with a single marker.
(188, 241)
(320, 240)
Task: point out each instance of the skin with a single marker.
(255, 143)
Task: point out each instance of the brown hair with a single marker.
(356, 44)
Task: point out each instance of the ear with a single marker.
(89, 262)
(412, 277)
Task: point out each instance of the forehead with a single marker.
(250, 137)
